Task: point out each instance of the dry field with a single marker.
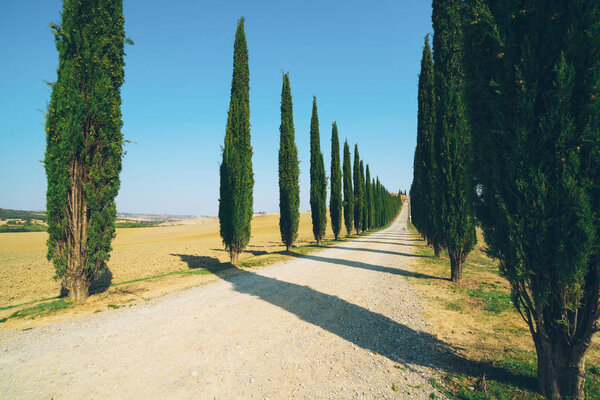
(26, 275)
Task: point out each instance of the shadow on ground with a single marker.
(394, 253)
(369, 330)
(362, 265)
(101, 281)
(195, 262)
(394, 242)
(253, 252)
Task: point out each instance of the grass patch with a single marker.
(27, 303)
(454, 306)
(491, 300)
(42, 309)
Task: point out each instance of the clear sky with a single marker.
(361, 59)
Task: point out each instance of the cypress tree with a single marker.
(318, 180)
(424, 184)
(335, 201)
(348, 193)
(374, 202)
(378, 205)
(237, 178)
(358, 200)
(289, 171)
(363, 190)
(84, 141)
(452, 137)
(369, 199)
(534, 71)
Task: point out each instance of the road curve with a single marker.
(342, 323)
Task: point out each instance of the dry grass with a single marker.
(478, 320)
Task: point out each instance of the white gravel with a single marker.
(332, 325)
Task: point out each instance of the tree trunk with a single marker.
(561, 370)
(437, 249)
(234, 255)
(319, 242)
(79, 289)
(288, 247)
(77, 279)
(456, 266)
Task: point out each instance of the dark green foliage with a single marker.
(369, 206)
(289, 170)
(363, 189)
(27, 227)
(318, 180)
(22, 214)
(358, 195)
(424, 188)
(84, 140)
(237, 178)
(348, 193)
(534, 70)
(452, 137)
(335, 200)
(386, 206)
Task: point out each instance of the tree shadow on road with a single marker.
(362, 265)
(394, 253)
(360, 326)
(392, 243)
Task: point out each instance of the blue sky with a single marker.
(361, 59)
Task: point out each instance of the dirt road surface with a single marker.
(338, 324)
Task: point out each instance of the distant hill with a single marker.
(35, 221)
(6, 213)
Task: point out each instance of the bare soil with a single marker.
(26, 275)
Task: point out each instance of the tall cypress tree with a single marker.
(369, 199)
(348, 193)
(533, 100)
(289, 170)
(318, 180)
(452, 137)
(237, 178)
(84, 141)
(424, 188)
(363, 190)
(335, 201)
(358, 200)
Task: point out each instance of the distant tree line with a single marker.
(508, 137)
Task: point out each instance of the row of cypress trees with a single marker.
(366, 204)
(509, 132)
(84, 151)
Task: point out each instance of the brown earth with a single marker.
(26, 275)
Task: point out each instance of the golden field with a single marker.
(26, 275)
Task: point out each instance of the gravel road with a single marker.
(342, 323)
